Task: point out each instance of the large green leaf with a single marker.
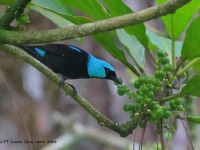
(181, 17)
(191, 44)
(193, 86)
(55, 5)
(91, 8)
(117, 8)
(133, 47)
(7, 2)
(57, 19)
(45, 7)
(193, 119)
(164, 43)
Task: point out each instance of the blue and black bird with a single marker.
(71, 62)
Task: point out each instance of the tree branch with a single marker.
(14, 37)
(123, 130)
(13, 12)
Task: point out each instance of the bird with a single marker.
(71, 62)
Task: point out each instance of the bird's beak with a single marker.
(115, 79)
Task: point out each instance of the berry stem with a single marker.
(194, 61)
(178, 67)
(152, 57)
(166, 99)
(173, 43)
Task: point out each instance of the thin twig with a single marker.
(13, 12)
(188, 136)
(173, 43)
(189, 65)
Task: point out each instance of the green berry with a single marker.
(157, 82)
(159, 113)
(154, 117)
(152, 103)
(167, 114)
(128, 107)
(121, 91)
(164, 60)
(151, 87)
(138, 98)
(144, 89)
(132, 115)
(150, 94)
(138, 106)
(160, 53)
(142, 79)
(139, 92)
(150, 80)
(172, 105)
(156, 106)
(167, 68)
(137, 84)
(147, 101)
(164, 108)
(178, 101)
(159, 74)
(180, 108)
(24, 18)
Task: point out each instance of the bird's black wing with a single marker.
(62, 50)
(67, 60)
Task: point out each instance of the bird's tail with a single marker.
(28, 49)
(34, 51)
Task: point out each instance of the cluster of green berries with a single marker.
(147, 94)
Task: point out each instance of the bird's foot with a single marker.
(62, 82)
(73, 89)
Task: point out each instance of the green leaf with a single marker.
(193, 119)
(192, 87)
(55, 18)
(196, 66)
(116, 7)
(134, 48)
(7, 2)
(137, 30)
(91, 8)
(55, 5)
(164, 43)
(191, 44)
(181, 17)
(50, 12)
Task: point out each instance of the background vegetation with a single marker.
(158, 61)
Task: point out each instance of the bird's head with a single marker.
(100, 69)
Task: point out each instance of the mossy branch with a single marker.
(13, 12)
(14, 37)
(123, 130)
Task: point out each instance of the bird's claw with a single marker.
(73, 89)
(62, 82)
